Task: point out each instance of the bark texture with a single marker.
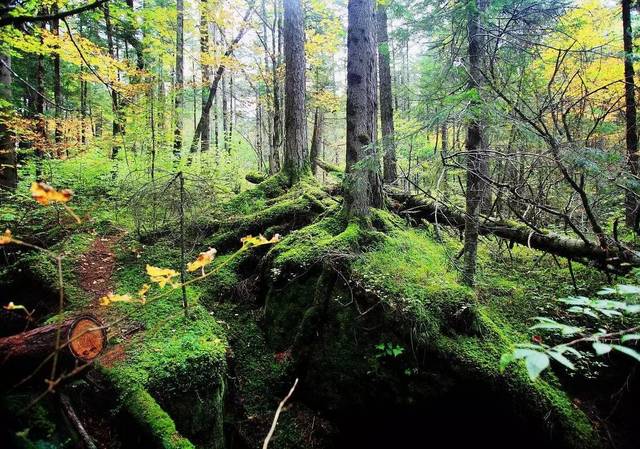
(363, 186)
(296, 156)
(631, 200)
(390, 173)
(8, 169)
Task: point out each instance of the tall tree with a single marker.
(8, 169)
(390, 172)
(179, 81)
(274, 157)
(57, 81)
(206, 75)
(362, 184)
(118, 127)
(296, 158)
(476, 155)
(631, 200)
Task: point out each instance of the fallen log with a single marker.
(328, 167)
(614, 258)
(83, 338)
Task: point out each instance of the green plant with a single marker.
(388, 349)
(608, 330)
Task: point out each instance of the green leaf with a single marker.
(625, 350)
(601, 348)
(628, 289)
(630, 337)
(536, 362)
(558, 357)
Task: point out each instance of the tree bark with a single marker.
(8, 161)
(316, 140)
(57, 82)
(179, 82)
(362, 184)
(631, 200)
(117, 126)
(205, 138)
(296, 157)
(84, 338)
(390, 172)
(476, 157)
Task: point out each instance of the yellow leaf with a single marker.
(161, 276)
(12, 306)
(106, 300)
(44, 194)
(203, 260)
(143, 291)
(251, 241)
(5, 238)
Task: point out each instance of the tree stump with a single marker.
(83, 337)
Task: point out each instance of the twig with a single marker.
(277, 415)
(77, 424)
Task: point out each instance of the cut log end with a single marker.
(87, 338)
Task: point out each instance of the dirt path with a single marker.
(96, 266)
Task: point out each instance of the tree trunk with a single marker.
(390, 172)
(206, 76)
(84, 338)
(631, 201)
(363, 186)
(8, 169)
(117, 128)
(476, 157)
(316, 140)
(274, 157)
(179, 82)
(296, 157)
(57, 83)
(225, 115)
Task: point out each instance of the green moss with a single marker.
(146, 411)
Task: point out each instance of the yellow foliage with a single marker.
(6, 237)
(161, 276)
(204, 259)
(251, 241)
(110, 298)
(44, 194)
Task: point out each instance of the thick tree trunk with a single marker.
(205, 137)
(274, 157)
(363, 186)
(179, 82)
(316, 140)
(84, 338)
(631, 200)
(390, 172)
(476, 157)
(296, 156)
(8, 169)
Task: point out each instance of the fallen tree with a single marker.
(83, 338)
(614, 258)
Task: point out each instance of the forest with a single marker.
(319, 224)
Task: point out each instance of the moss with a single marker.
(147, 413)
(412, 277)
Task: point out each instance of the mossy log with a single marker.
(614, 258)
(82, 337)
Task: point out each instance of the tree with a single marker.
(631, 199)
(117, 125)
(476, 157)
(57, 82)
(362, 184)
(316, 139)
(8, 169)
(390, 172)
(179, 81)
(296, 159)
(206, 74)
